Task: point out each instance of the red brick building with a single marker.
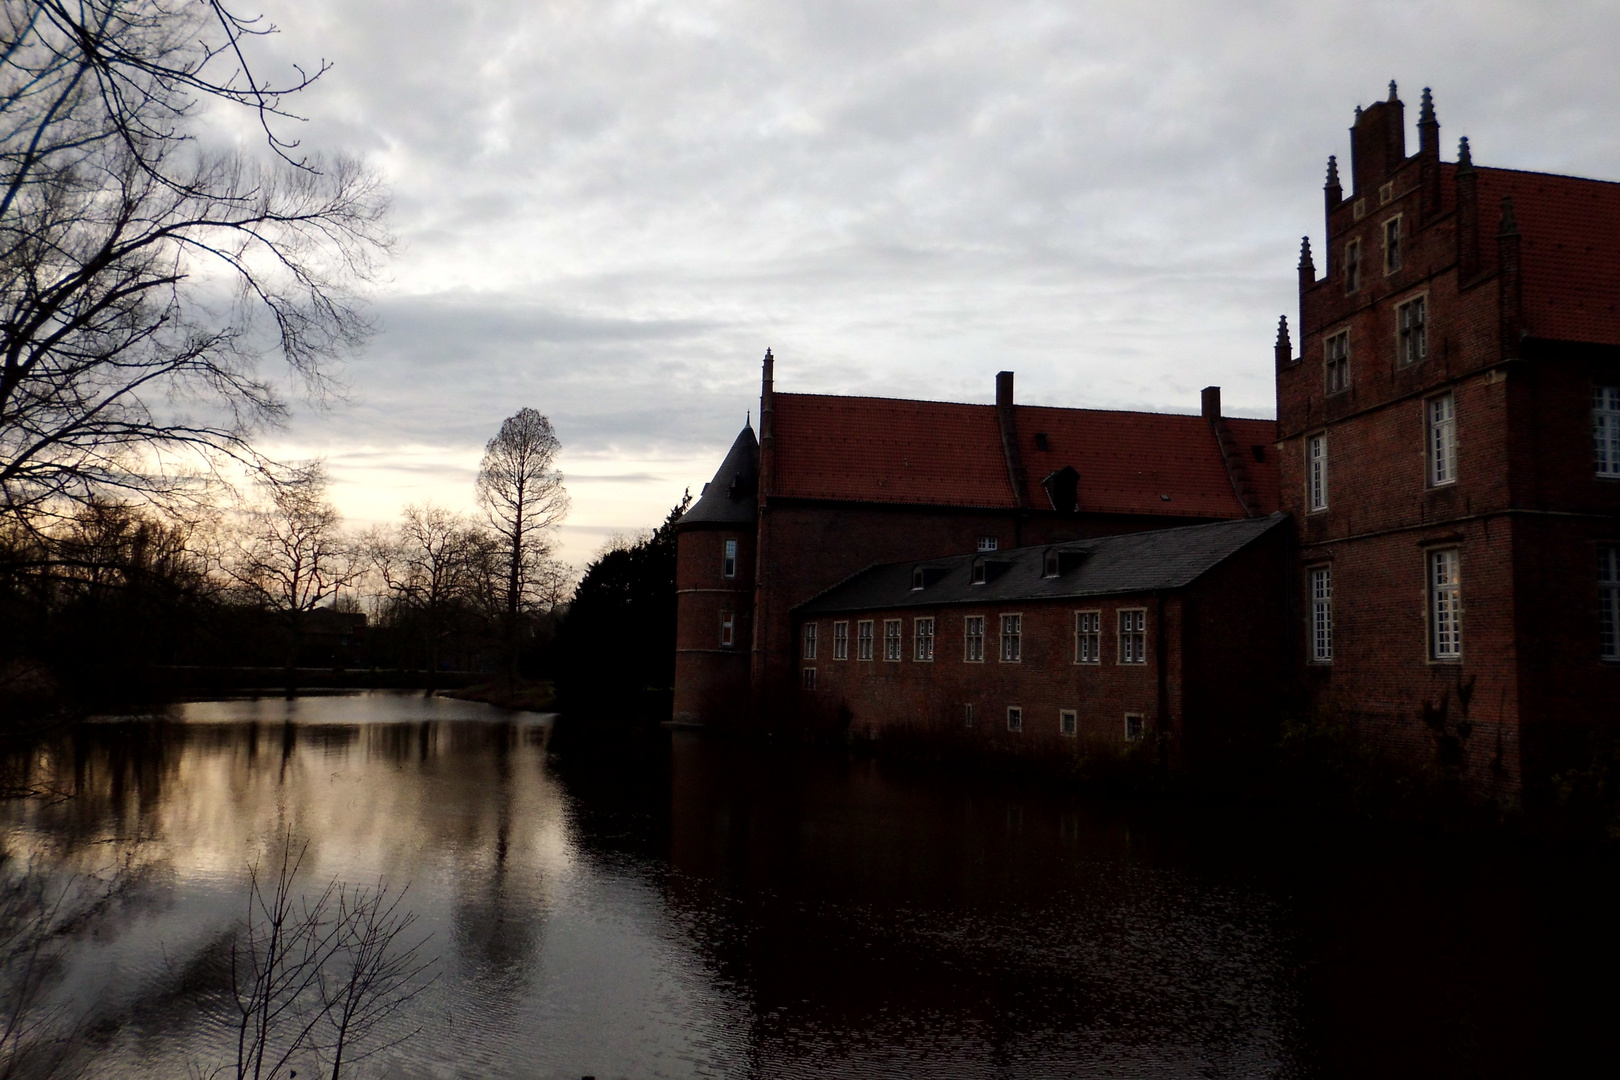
(1172, 632)
(1447, 448)
(837, 484)
(1450, 451)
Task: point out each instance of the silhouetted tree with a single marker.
(616, 647)
(522, 496)
(139, 270)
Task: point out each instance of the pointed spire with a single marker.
(1392, 94)
(1465, 158)
(1305, 254)
(1426, 113)
(1333, 171)
(1510, 225)
(1282, 330)
(1285, 347)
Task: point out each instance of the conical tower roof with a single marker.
(732, 497)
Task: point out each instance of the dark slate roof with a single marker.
(732, 497)
(1107, 565)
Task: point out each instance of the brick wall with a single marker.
(711, 679)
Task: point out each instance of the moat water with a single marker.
(696, 908)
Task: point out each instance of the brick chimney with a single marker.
(1377, 143)
(1237, 471)
(1007, 420)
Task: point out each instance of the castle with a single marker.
(1424, 546)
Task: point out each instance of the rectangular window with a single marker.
(809, 678)
(988, 543)
(809, 641)
(1012, 638)
(1015, 718)
(1321, 585)
(840, 641)
(1442, 420)
(1316, 489)
(1412, 323)
(1445, 605)
(1133, 727)
(1352, 266)
(1133, 636)
(1088, 637)
(891, 639)
(1606, 429)
(973, 628)
(728, 565)
(1392, 245)
(728, 628)
(863, 640)
(923, 634)
(1336, 360)
(1068, 723)
(967, 714)
(1609, 602)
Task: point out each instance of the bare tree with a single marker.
(142, 276)
(319, 976)
(292, 555)
(428, 563)
(523, 497)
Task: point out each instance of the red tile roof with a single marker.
(1570, 243)
(949, 454)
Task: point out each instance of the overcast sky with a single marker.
(608, 210)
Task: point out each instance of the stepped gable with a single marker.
(732, 497)
(1104, 566)
(1570, 249)
(935, 453)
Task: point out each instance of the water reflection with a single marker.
(683, 907)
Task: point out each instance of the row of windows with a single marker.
(1445, 606)
(1068, 722)
(1411, 344)
(1440, 452)
(1132, 639)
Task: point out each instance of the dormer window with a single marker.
(917, 578)
(1042, 442)
(1049, 567)
(979, 567)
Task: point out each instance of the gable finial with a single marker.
(1333, 171)
(1392, 90)
(1304, 252)
(1465, 156)
(1426, 115)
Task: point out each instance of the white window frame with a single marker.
(973, 643)
(1012, 638)
(728, 559)
(1316, 473)
(1134, 732)
(1319, 593)
(1015, 719)
(1440, 438)
(1068, 723)
(893, 641)
(922, 634)
(863, 639)
(1609, 601)
(1132, 636)
(1445, 604)
(1088, 637)
(1392, 251)
(1606, 430)
(841, 640)
(1352, 266)
(989, 543)
(1412, 331)
(810, 641)
(1336, 363)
